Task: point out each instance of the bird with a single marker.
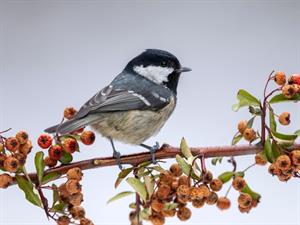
(135, 105)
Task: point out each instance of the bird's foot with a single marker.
(152, 150)
(117, 156)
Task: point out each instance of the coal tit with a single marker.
(135, 105)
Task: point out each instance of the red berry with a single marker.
(294, 79)
(70, 145)
(45, 141)
(55, 152)
(87, 137)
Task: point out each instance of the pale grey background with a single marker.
(59, 53)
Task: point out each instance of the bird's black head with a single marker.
(158, 66)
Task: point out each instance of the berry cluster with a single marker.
(290, 88)
(71, 197)
(13, 155)
(64, 145)
(246, 130)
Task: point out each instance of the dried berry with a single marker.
(86, 221)
(163, 191)
(157, 219)
(77, 212)
(73, 186)
(55, 152)
(70, 145)
(174, 185)
(242, 125)
(249, 134)
(289, 90)
(223, 203)
(21, 158)
(184, 213)
(205, 190)
(212, 198)
(184, 180)
(273, 169)
(196, 193)
(63, 192)
(285, 175)
(74, 173)
(45, 141)
(22, 137)
(245, 200)
(238, 183)
(198, 203)
(50, 162)
(69, 113)
(295, 156)
(12, 144)
(208, 176)
(284, 118)
(245, 209)
(25, 149)
(88, 137)
(216, 185)
(182, 199)
(63, 220)
(2, 159)
(166, 177)
(5, 180)
(157, 205)
(176, 170)
(283, 162)
(280, 78)
(183, 191)
(75, 199)
(260, 159)
(11, 164)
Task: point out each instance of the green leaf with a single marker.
(123, 174)
(186, 168)
(216, 160)
(240, 174)
(66, 158)
(158, 168)
(286, 137)
(27, 188)
(58, 207)
(145, 213)
(268, 151)
(255, 111)
(138, 186)
(236, 139)
(39, 165)
(250, 122)
(55, 194)
(297, 132)
(253, 194)
(245, 99)
(275, 150)
(273, 125)
(120, 195)
(185, 150)
(226, 176)
(170, 205)
(50, 177)
(280, 98)
(149, 183)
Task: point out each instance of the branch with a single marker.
(165, 152)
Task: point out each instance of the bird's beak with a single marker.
(183, 69)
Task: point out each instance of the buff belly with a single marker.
(133, 127)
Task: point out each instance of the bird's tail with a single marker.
(68, 126)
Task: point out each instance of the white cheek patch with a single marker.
(156, 74)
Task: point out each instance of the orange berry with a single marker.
(174, 185)
(294, 79)
(2, 159)
(77, 212)
(280, 78)
(86, 221)
(63, 220)
(289, 90)
(198, 203)
(205, 190)
(22, 137)
(5, 180)
(184, 180)
(12, 144)
(1, 147)
(163, 191)
(245, 209)
(284, 118)
(208, 176)
(295, 156)
(212, 198)
(21, 158)
(274, 170)
(245, 200)
(44, 141)
(50, 162)
(242, 125)
(184, 213)
(63, 192)
(176, 170)
(168, 213)
(183, 190)
(76, 199)
(55, 152)
(74, 173)
(70, 145)
(238, 183)
(195, 193)
(223, 203)
(73, 186)
(25, 149)
(87, 137)
(166, 177)
(249, 134)
(69, 112)
(216, 184)
(260, 159)
(283, 162)
(157, 205)
(11, 164)
(157, 219)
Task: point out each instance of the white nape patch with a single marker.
(140, 97)
(159, 97)
(156, 74)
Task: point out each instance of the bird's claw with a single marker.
(153, 150)
(117, 156)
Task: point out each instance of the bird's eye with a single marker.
(163, 63)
